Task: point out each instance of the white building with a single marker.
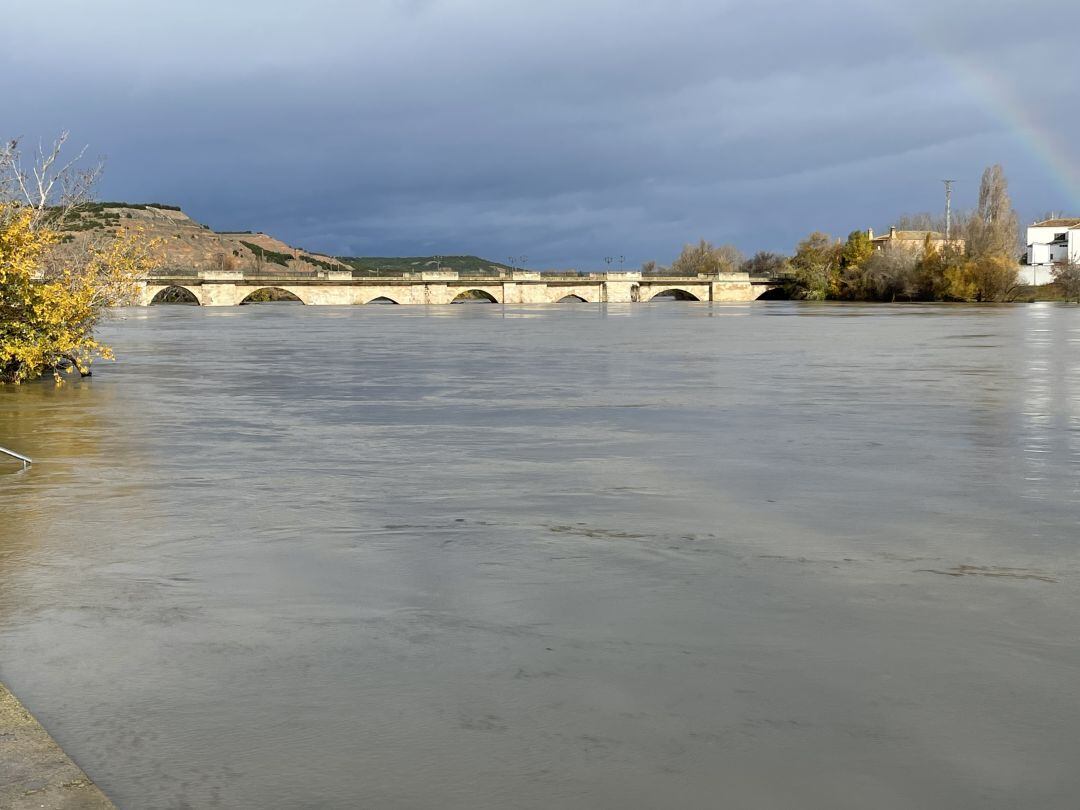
(1049, 242)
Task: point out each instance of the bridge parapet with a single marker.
(341, 288)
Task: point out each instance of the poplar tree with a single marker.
(994, 230)
(991, 270)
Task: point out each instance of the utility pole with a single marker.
(948, 210)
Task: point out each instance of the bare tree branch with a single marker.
(50, 188)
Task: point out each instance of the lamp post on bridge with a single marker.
(516, 263)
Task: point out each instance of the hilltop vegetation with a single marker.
(396, 265)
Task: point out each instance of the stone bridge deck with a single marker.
(342, 288)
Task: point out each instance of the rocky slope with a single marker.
(189, 246)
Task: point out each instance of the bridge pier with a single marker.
(735, 289)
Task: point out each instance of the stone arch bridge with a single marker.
(343, 289)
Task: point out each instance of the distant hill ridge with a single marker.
(396, 265)
(190, 246)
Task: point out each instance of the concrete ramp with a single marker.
(34, 772)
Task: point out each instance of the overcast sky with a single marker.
(563, 130)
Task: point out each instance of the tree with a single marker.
(988, 278)
(855, 253)
(922, 221)
(651, 268)
(51, 298)
(705, 258)
(223, 262)
(857, 249)
(50, 190)
(886, 275)
(935, 223)
(729, 258)
(994, 229)
(933, 271)
(1067, 277)
(766, 264)
(989, 270)
(259, 261)
(816, 266)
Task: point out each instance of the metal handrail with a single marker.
(25, 461)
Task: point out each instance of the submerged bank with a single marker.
(34, 771)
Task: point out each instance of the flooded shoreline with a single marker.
(771, 555)
(35, 771)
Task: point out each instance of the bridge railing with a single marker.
(168, 273)
(26, 462)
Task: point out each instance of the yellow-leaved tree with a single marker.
(53, 295)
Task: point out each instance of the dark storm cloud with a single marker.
(563, 130)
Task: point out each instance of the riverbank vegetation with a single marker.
(977, 260)
(53, 293)
(1067, 281)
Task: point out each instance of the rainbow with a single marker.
(997, 95)
(1046, 145)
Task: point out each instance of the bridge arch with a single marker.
(382, 299)
(676, 293)
(474, 295)
(175, 294)
(777, 293)
(264, 295)
(572, 298)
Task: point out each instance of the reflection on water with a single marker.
(577, 556)
(60, 430)
(1051, 411)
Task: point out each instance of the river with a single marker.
(769, 555)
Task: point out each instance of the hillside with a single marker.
(189, 246)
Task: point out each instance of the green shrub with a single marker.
(268, 255)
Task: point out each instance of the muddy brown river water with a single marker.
(672, 555)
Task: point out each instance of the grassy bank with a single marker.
(1043, 292)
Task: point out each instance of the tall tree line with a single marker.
(978, 263)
